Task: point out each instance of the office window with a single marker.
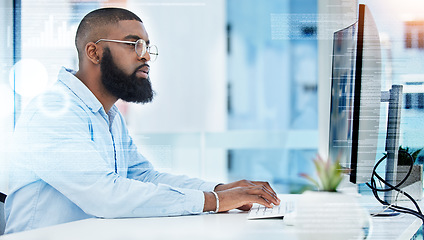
(414, 34)
(272, 82)
(408, 100)
(401, 32)
(420, 100)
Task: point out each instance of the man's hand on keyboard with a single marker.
(246, 183)
(242, 194)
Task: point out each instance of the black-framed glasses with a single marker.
(140, 47)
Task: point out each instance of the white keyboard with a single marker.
(260, 211)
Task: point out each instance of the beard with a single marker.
(129, 88)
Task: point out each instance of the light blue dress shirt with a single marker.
(71, 160)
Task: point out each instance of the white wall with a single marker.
(189, 78)
(190, 73)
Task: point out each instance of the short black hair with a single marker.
(92, 25)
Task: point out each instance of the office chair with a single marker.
(2, 217)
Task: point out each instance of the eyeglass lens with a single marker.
(141, 49)
(153, 51)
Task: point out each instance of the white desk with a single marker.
(232, 225)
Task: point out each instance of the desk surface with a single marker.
(231, 225)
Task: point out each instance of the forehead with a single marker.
(126, 28)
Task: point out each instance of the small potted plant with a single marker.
(330, 174)
(327, 212)
(413, 184)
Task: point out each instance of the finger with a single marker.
(265, 184)
(263, 193)
(269, 188)
(270, 200)
(266, 200)
(263, 201)
(272, 194)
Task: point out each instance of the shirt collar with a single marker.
(67, 77)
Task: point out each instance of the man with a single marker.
(72, 157)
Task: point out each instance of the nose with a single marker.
(145, 57)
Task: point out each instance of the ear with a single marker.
(93, 53)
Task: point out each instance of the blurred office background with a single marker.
(242, 85)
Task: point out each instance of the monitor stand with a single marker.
(394, 98)
(382, 211)
(392, 137)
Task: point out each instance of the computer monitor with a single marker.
(356, 97)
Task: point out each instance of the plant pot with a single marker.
(414, 184)
(329, 215)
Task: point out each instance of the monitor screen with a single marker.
(356, 97)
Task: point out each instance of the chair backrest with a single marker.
(2, 217)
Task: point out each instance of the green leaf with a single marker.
(310, 179)
(329, 173)
(416, 153)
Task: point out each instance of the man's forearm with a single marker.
(210, 202)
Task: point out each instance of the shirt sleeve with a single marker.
(141, 169)
(57, 149)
